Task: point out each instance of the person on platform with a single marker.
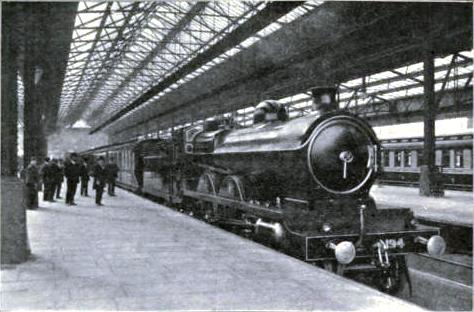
(47, 176)
(41, 164)
(84, 178)
(72, 171)
(32, 180)
(111, 170)
(100, 176)
(52, 178)
(59, 177)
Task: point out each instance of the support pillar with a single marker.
(428, 181)
(34, 143)
(14, 238)
(9, 116)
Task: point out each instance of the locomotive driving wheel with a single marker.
(207, 185)
(231, 188)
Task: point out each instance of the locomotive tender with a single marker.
(304, 182)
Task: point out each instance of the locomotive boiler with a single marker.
(304, 183)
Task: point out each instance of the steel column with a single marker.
(9, 116)
(34, 141)
(427, 176)
(14, 238)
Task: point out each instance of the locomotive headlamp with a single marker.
(436, 246)
(326, 228)
(345, 251)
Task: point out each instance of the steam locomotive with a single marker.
(304, 183)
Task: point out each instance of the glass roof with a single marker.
(120, 49)
(287, 18)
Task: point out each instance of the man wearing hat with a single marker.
(72, 171)
(48, 175)
(111, 170)
(100, 176)
(32, 178)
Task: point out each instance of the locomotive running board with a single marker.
(270, 213)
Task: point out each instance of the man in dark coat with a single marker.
(72, 171)
(52, 178)
(84, 177)
(111, 170)
(47, 173)
(32, 179)
(59, 177)
(100, 176)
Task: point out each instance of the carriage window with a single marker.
(467, 156)
(458, 159)
(407, 156)
(123, 159)
(385, 161)
(445, 158)
(398, 158)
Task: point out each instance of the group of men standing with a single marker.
(75, 169)
(52, 175)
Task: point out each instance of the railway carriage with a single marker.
(401, 160)
(302, 183)
(124, 155)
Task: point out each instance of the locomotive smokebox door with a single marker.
(324, 99)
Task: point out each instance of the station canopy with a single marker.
(121, 49)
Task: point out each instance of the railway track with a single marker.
(440, 283)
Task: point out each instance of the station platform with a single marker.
(455, 208)
(133, 254)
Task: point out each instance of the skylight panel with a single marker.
(443, 61)
(465, 69)
(382, 75)
(353, 82)
(468, 54)
(414, 67)
(86, 34)
(91, 19)
(418, 90)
